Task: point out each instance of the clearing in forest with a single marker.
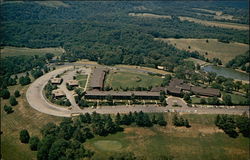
(210, 48)
(17, 51)
(216, 23)
(149, 15)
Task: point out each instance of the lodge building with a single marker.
(98, 77)
(122, 95)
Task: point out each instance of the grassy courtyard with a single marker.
(123, 79)
(82, 79)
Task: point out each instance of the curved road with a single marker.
(37, 101)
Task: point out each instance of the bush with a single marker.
(5, 94)
(67, 103)
(34, 141)
(24, 136)
(17, 93)
(13, 101)
(8, 109)
(24, 80)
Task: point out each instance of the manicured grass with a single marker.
(148, 69)
(196, 100)
(108, 145)
(82, 80)
(131, 80)
(202, 141)
(236, 99)
(224, 51)
(23, 117)
(101, 151)
(16, 51)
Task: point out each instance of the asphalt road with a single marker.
(37, 101)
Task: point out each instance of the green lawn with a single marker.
(82, 79)
(131, 80)
(203, 141)
(195, 100)
(16, 51)
(236, 99)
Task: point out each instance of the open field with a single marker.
(149, 15)
(23, 117)
(131, 80)
(54, 4)
(16, 51)
(219, 17)
(203, 141)
(215, 23)
(208, 11)
(214, 49)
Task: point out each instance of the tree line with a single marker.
(65, 141)
(233, 125)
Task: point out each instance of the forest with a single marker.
(105, 33)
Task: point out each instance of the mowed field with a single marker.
(203, 141)
(216, 23)
(124, 79)
(23, 117)
(16, 51)
(214, 49)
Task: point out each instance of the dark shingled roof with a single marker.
(158, 89)
(175, 82)
(122, 93)
(205, 91)
(185, 86)
(173, 89)
(98, 78)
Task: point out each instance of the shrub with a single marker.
(24, 136)
(13, 101)
(8, 109)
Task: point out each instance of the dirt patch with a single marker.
(210, 130)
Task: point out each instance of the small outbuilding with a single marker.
(56, 80)
(72, 83)
(58, 93)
